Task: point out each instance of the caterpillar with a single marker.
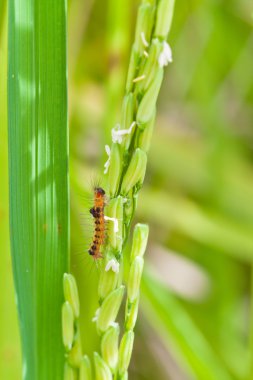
(99, 220)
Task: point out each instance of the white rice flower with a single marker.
(94, 319)
(115, 221)
(113, 265)
(117, 134)
(166, 55)
(107, 164)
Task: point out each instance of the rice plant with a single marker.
(171, 296)
(38, 147)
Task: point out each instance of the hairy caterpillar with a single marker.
(99, 220)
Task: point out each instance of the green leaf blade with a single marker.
(38, 162)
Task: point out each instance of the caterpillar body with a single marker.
(99, 221)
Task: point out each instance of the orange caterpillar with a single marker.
(98, 214)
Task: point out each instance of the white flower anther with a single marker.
(146, 54)
(143, 38)
(114, 324)
(117, 134)
(107, 164)
(115, 222)
(166, 55)
(95, 318)
(113, 265)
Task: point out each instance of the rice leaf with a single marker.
(38, 167)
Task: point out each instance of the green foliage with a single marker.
(38, 160)
(176, 328)
(197, 197)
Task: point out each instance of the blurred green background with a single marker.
(195, 317)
